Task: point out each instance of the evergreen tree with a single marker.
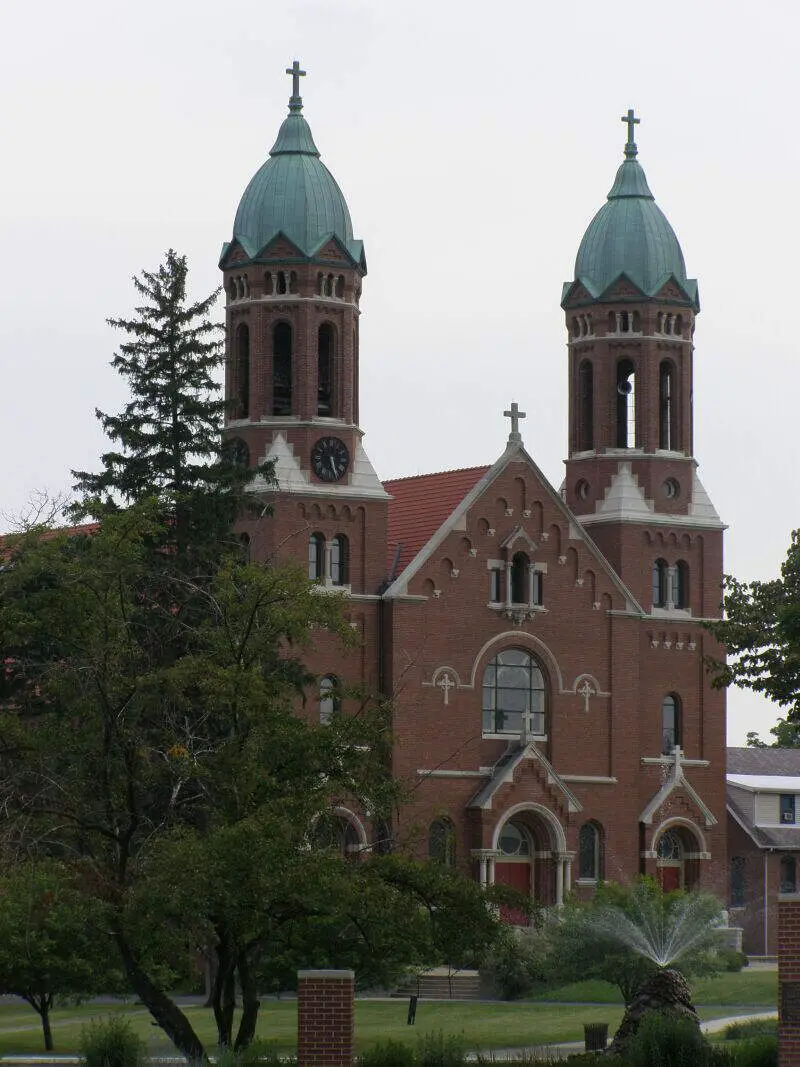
(169, 433)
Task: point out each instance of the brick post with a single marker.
(789, 979)
(325, 1018)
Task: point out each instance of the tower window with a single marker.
(585, 406)
(626, 404)
(680, 585)
(670, 723)
(339, 560)
(660, 583)
(316, 557)
(667, 409)
(281, 286)
(269, 284)
(242, 375)
(519, 578)
(325, 362)
(282, 368)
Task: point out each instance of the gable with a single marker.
(575, 294)
(622, 289)
(232, 254)
(419, 506)
(280, 247)
(332, 250)
(673, 292)
(581, 552)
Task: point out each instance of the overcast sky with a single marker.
(473, 142)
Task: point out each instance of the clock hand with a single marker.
(333, 464)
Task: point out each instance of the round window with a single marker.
(672, 489)
(512, 841)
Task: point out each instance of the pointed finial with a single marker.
(296, 100)
(631, 150)
(515, 437)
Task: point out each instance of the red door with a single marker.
(670, 878)
(517, 876)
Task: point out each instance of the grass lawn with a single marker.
(751, 988)
(484, 1025)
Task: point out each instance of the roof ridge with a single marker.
(435, 474)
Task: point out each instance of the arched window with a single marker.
(340, 286)
(316, 557)
(788, 874)
(244, 542)
(519, 578)
(269, 284)
(680, 585)
(496, 586)
(589, 852)
(626, 404)
(281, 286)
(514, 694)
(325, 357)
(585, 406)
(667, 407)
(232, 292)
(679, 325)
(670, 723)
(738, 882)
(669, 847)
(660, 583)
(329, 701)
(336, 833)
(442, 842)
(514, 841)
(282, 368)
(339, 560)
(242, 376)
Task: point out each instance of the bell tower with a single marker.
(293, 273)
(630, 314)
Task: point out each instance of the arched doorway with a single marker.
(677, 854)
(529, 857)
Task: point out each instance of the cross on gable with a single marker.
(297, 74)
(515, 415)
(631, 120)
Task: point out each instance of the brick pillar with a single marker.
(789, 979)
(325, 1018)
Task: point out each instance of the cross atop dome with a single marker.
(296, 100)
(631, 150)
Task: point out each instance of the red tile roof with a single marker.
(420, 506)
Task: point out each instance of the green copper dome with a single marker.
(630, 235)
(294, 193)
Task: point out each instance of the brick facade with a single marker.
(325, 1018)
(789, 980)
(429, 589)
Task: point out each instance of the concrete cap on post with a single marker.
(344, 975)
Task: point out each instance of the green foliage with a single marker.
(751, 1028)
(664, 1040)
(256, 1054)
(440, 1050)
(517, 963)
(53, 939)
(761, 634)
(730, 960)
(111, 1042)
(585, 943)
(757, 1052)
(388, 1054)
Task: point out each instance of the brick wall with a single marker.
(789, 979)
(325, 1018)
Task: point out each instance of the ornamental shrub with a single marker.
(110, 1042)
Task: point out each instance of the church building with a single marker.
(542, 648)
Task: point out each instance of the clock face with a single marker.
(330, 459)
